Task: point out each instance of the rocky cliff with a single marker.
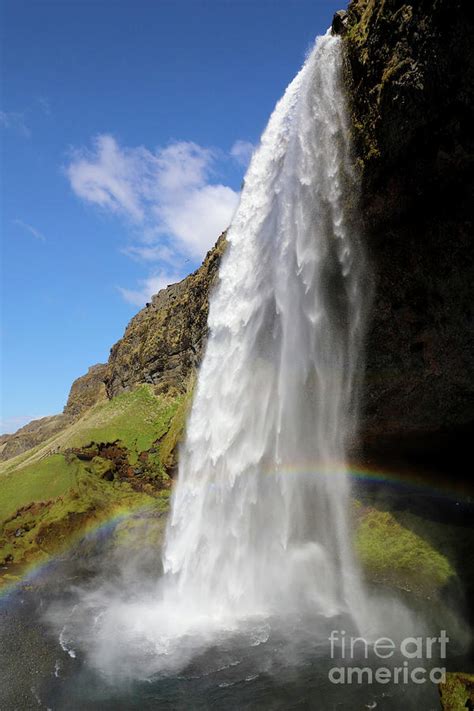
(86, 391)
(410, 76)
(164, 342)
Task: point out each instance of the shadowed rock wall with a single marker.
(410, 75)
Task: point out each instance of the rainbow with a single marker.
(30, 572)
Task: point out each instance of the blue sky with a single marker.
(125, 130)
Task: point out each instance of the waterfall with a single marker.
(258, 541)
(259, 519)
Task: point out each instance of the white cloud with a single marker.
(29, 228)
(148, 287)
(183, 166)
(199, 217)
(242, 152)
(168, 197)
(15, 121)
(108, 177)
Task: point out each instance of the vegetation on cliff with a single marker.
(394, 555)
(164, 342)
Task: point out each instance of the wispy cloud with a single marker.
(15, 121)
(174, 208)
(242, 152)
(29, 228)
(110, 177)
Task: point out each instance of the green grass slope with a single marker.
(55, 493)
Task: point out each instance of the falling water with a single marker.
(260, 511)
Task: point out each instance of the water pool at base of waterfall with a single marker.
(274, 664)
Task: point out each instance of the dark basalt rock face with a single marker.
(410, 76)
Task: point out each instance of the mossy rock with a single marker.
(392, 554)
(457, 691)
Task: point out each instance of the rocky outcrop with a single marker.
(164, 342)
(410, 76)
(86, 391)
(339, 23)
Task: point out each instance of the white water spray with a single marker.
(259, 516)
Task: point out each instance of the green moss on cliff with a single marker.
(136, 418)
(362, 15)
(46, 527)
(392, 554)
(169, 445)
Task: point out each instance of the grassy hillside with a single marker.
(106, 463)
